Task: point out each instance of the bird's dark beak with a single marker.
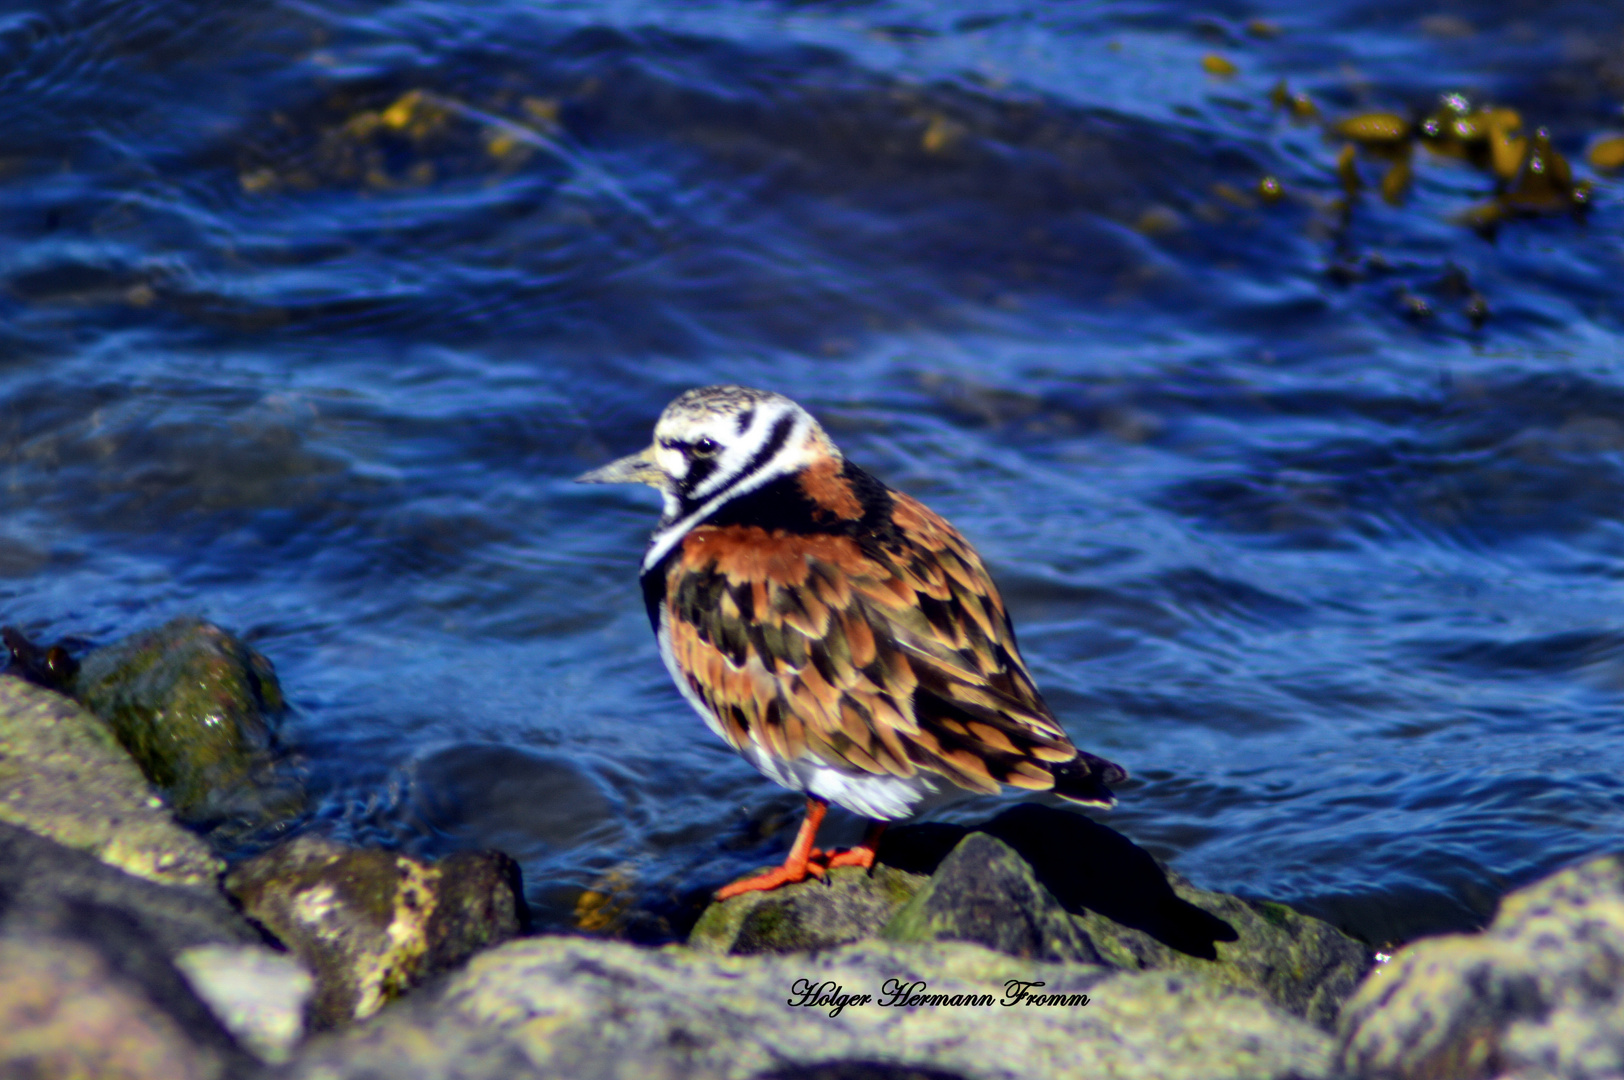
(638, 468)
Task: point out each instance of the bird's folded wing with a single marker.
(885, 657)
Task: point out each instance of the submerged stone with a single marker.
(373, 924)
(195, 708)
(1607, 155)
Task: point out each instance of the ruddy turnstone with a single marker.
(844, 639)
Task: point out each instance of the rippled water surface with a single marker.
(309, 313)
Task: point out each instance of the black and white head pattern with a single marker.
(718, 442)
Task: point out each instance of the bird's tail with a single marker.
(1083, 780)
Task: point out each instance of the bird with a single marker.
(838, 634)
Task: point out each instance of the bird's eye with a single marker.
(706, 447)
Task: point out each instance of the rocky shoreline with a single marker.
(127, 949)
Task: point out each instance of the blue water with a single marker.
(309, 313)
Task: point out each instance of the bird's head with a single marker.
(716, 442)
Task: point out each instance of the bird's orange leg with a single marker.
(798, 865)
(861, 855)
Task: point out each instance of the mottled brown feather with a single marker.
(883, 655)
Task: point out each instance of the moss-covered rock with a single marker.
(64, 776)
(1540, 992)
(987, 893)
(849, 905)
(195, 708)
(578, 1007)
(373, 924)
(1047, 884)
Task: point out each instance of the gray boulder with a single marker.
(590, 1009)
(1538, 994)
(92, 979)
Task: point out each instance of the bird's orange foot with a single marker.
(770, 879)
(857, 856)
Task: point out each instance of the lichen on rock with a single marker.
(568, 1006)
(63, 776)
(372, 924)
(1537, 993)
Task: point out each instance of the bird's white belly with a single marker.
(883, 797)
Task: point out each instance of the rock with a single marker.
(373, 924)
(63, 776)
(88, 983)
(258, 994)
(985, 893)
(194, 706)
(69, 1012)
(562, 1006)
(1539, 993)
(848, 906)
(1047, 884)
(47, 886)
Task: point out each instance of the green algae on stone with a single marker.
(851, 904)
(372, 924)
(194, 706)
(64, 777)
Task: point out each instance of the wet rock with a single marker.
(63, 776)
(559, 1006)
(194, 706)
(88, 978)
(1381, 129)
(1046, 884)
(1535, 994)
(849, 905)
(373, 924)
